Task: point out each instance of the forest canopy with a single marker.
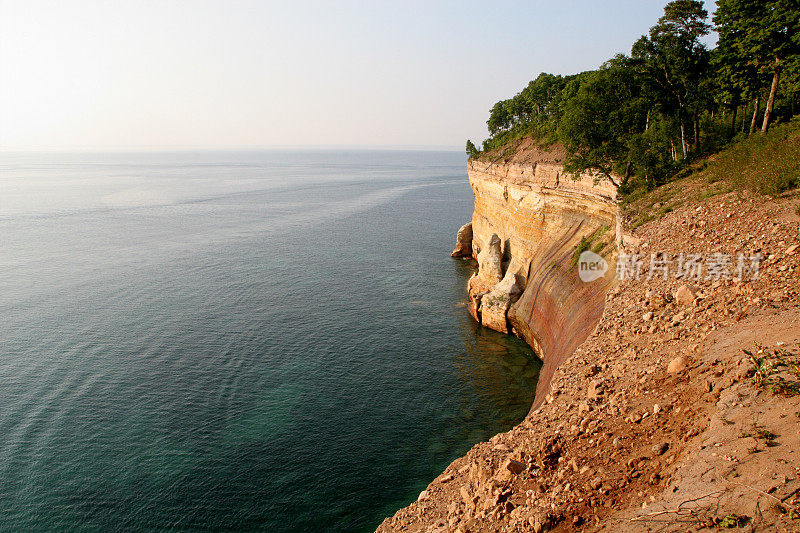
(672, 99)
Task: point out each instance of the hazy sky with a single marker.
(234, 73)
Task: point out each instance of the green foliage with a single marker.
(758, 39)
(641, 119)
(675, 63)
(583, 245)
(602, 115)
(586, 244)
(775, 370)
(732, 520)
(765, 435)
(472, 151)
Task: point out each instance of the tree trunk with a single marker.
(744, 117)
(627, 173)
(771, 101)
(683, 140)
(755, 115)
(696, 121)
(733, 120)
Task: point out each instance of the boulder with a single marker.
(515, 467)
(660, 449)
(656, 300)
(596, 389)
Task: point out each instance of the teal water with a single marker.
(270, 341)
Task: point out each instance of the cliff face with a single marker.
(530, 223)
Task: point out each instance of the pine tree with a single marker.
(675, 61)
(472, 151)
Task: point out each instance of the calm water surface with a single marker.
(268, 341)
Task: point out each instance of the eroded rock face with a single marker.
(495, 304)
(463, 241)
(529, 219)
(490, 263)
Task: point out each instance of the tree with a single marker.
(760, 35)
(675, 62)
(605, 110)
(499, 118)
(472, 151)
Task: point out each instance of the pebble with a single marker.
(677, 365)
(660, 449)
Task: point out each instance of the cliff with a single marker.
(531, 221)
(658, 420)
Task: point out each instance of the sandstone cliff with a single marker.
(659, 421)
(530, 222)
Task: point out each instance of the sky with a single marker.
(248, 74)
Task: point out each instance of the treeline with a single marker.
(647, 114)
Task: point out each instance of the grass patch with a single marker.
(777, 371)
(765, 164)
(590, 242)
(731, 521)
(766, 435)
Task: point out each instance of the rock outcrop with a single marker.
(530, 223)
(463, 241)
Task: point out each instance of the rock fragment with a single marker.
(677, 365)
(685, 295)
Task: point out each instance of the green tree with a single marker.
(760, 35)
(606, 108)
(675, 62)
(499, 118)
(472, 151)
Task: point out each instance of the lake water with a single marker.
(271, 340)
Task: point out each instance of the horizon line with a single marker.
(243, 148)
